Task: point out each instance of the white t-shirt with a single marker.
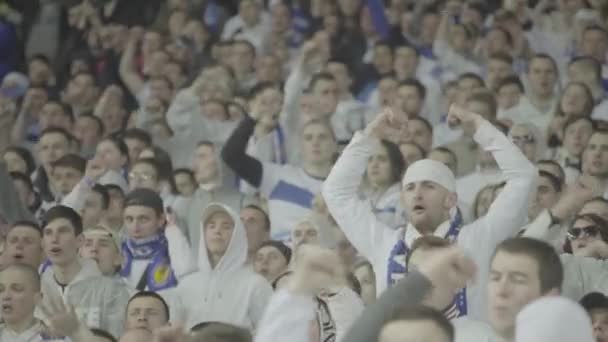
(290, 192)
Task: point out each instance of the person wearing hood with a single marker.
(224, 288)
(214, 185)
(98, 301)
(430, 201)
(156, 254)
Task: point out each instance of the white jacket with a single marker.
(100, 302)
(287, 318)
(470, 330)
(230, 292)
(374, 240)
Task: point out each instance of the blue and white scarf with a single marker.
(159, 274)
(397, 267)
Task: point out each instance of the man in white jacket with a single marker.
(224, 289)
(98, 301)
(430, 201)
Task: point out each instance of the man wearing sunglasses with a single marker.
(588, 237)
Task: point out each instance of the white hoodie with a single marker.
(230, 292)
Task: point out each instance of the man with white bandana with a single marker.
(429, 198)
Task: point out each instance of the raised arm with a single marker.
(292, 309)
(354, 215)
(507, 214)
(449, 267)
(235, 156)
(128, 74)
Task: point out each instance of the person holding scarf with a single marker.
(155, 253)
(430, 200)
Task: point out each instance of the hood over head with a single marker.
(236, 253)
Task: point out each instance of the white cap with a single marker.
(555, 319)
(430, 170)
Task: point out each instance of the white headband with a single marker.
(430, 170)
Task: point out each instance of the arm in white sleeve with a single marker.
(286, 318)
(182, 258)
(354, 215)
(262, 293)
(508, 212)
(179, 114)
(294, 86)
(76, 198)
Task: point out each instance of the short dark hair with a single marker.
(72, 161)
(259, 209)
(183, 170)
(101, 128)
(562, 175)
(503, 57)
(472, 76)
(594, 301)
(105, 196)
(557, 185)
(154, 295)
(103, 334)
(220, 332)
(57, 130)
(26, 155)
(503, 31)
(398, 164)
(25, 223)
(119, 144)
(546, 57)
(64, 212)
(510, 80)
(574, 119)
(412, 82)
(151, 162)
(40, 58)
(550, 269)
(424, 313)
(486, 97)
(318, 77)
(261, 87)
(21, 177)
(138, 134)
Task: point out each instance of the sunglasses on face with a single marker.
(575, 233)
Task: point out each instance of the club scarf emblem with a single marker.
(159, 274)
(397, 267)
